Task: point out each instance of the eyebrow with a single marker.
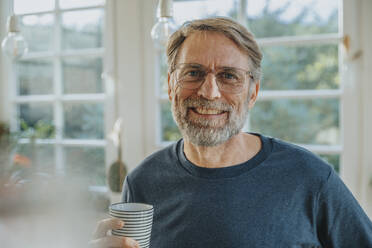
(196, 65)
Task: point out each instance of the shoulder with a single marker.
(160, 160)
(299, 161)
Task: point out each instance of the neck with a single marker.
(238, 149)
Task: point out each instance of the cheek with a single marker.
(182, 94)
(236, 101)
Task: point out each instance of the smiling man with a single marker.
(221, 187)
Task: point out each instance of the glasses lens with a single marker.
(231, 80)
(190, 76)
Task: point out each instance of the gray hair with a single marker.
(228, 27)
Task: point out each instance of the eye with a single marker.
(228, 76)
(194, 73)
(191, 74)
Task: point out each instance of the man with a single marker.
(221, 187)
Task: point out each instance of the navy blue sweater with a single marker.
(284, 196)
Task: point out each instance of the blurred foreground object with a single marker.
(118, 170)
(39, 207)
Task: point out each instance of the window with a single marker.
(300, 90)
(58, 90)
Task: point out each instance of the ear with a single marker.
(254, 94)
(169, 87)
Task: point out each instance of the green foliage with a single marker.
(41, 130)
(271, 23)
(168, 126)
(306, 67)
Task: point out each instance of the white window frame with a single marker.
(57, 98)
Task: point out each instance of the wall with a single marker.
(128, 71)
(366, 88)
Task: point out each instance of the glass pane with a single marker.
(163, 73)
(35, 77)
(38, 32)
(83, 121)
(292, 17)
(169, 128)
(333, 160)
(27, 6)
(39, 158)
(314, 121)
(86, 162)
(188, 10)
(79, 3)
(36, 120)
(308, 67)
(82, 29)
(82, 75)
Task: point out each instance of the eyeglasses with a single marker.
(229, 79)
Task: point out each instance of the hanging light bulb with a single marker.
(14, 45)
(165, 25)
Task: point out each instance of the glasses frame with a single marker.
(214, 71)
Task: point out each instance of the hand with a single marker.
(102, 240)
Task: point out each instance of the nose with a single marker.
(209, 89)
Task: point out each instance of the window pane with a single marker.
(39, 117)
(79, 3)
(27, 6)
(292, 17)
(83, 120)
(82, 75)
(307, 67)
(169, 128)
(41, 157)
(86, 162)
(313, 121)
(188, 10)
(163, 73)
(82, 29)
(333, 159)
(38, 32)
(35, 77)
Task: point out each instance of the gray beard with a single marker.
(205, 132)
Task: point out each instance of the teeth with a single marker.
(208, 111)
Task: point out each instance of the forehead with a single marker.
(212, 49)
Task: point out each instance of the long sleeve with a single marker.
(341, 222)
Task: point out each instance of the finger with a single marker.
(114, 241)
(107, 224)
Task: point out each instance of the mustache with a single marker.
(202, 102)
